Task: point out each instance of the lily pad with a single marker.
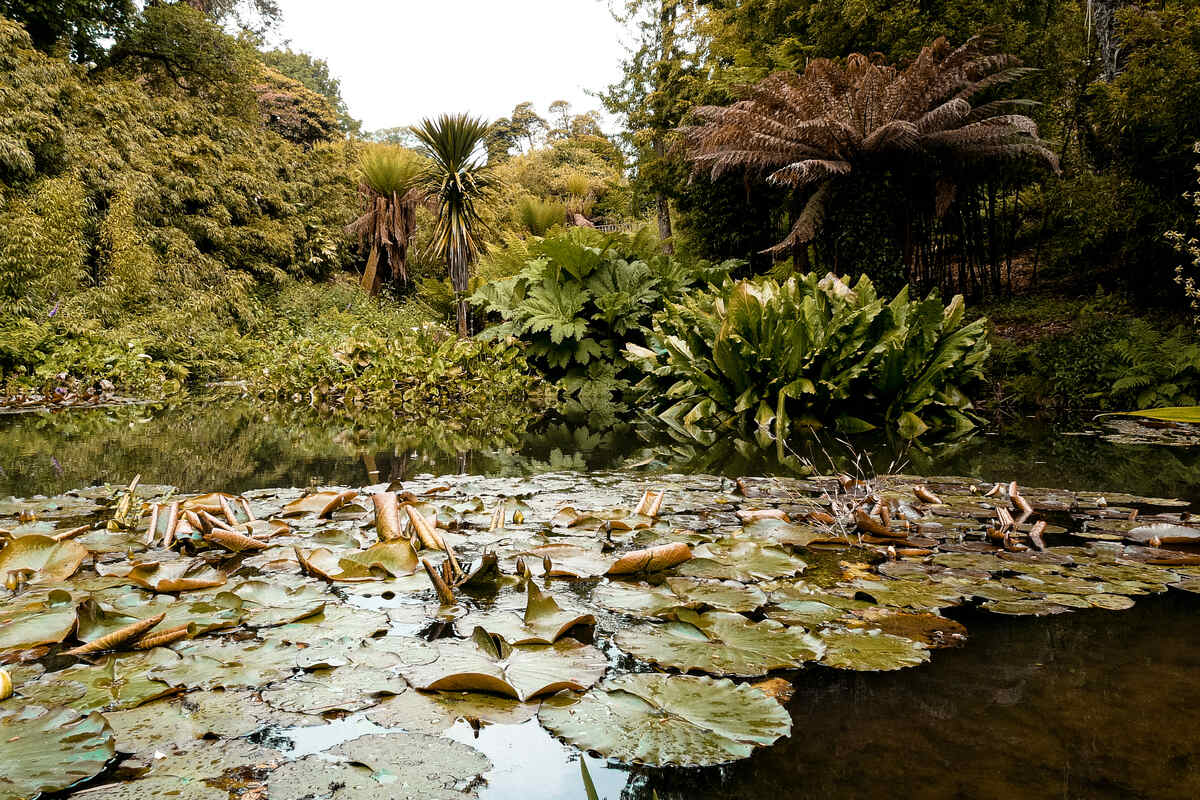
(49, 749)
(387, 766)
(544, 621)
(182, 722)
(47, 621)
(730, 559)
(183, 575)
(721, 643)
(342, 689)
(269, 603)
(47, 560)
(488, 664)
(435, 712)
(666, 720)
(871, 651)
(208, 664)
(115, 682)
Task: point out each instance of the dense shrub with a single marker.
(808, 352)
(582, 296)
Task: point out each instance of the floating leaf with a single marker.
(208, 664)
(321, 503)
(571, 561)
(435, 712)
(46, 621)
(668, 720)
(484, 664)
(652, 559)
(871, 651)
(721, 643)
(544, 621)
(270, 603)
(340, 689)
(385, 766)
(49, 749)
(932, 630)
(184, 720)
(115, 682)
(45, 559)
(741, 561)
(184, 575)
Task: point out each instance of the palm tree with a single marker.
(390, 182)
(808, 130)
(458, 179)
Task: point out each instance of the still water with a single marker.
(1092, 704)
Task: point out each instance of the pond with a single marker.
(1093, 703)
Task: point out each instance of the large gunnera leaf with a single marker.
(48, 749)
(664, 720)
(721, 643)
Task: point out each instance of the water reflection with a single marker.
(1088, 705)
(240, 446)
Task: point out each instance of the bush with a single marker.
(581, 297)
(808, 352)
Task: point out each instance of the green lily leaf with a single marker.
(49, 749)
(668, 720)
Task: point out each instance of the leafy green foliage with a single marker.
(539, 216)
(582, 296)
(341, 360)
(807, 352)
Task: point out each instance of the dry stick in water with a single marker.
(387, 516)
(117, 637)
(445, 595)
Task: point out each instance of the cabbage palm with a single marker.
(390, 182)
(458, 179)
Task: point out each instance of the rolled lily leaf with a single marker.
(321, 504)
(652, 559)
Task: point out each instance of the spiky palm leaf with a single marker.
(390, 183)
(459, 180)
(806, 130)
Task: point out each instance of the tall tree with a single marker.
(314, 73)
(82, 27)
(660, 81)
(459, 179)
(809, 131)
(390, 184)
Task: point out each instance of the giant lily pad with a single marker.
(721, 643)
(391, 559)
(544, 621)
(871, 650)
(435, 712)
(46, 560)
(195, 774)
(48, 749)
(741, 561)
(488, 664)
(665, 720)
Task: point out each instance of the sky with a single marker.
(403, 60)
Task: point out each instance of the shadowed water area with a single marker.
(1092, 703)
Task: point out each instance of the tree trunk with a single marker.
(664, 223)
(370, 278)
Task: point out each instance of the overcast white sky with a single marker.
(403, 60)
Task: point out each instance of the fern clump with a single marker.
(582, 296)
(808, 352)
